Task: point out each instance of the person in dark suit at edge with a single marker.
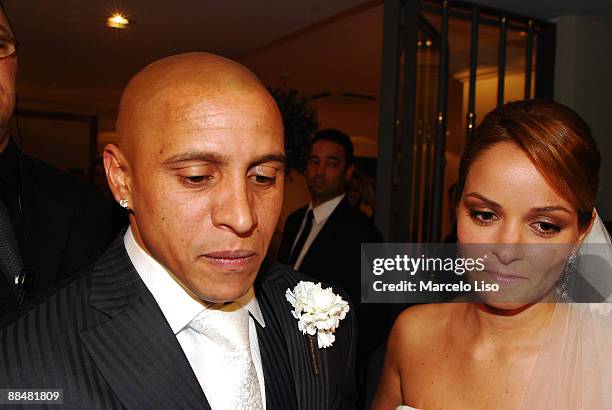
(51, 224)
(323, 238)
(179, 312)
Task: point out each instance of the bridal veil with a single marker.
(574, 366)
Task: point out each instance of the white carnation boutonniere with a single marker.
(318, 311)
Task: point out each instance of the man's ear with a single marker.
(117, 173)
(349, 172)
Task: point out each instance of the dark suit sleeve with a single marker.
(90, 233)
(374, 235)
(66, 222)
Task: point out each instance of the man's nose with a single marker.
(321, 169)
(235, 209)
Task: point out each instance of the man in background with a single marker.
(51, 224)
(322, 239)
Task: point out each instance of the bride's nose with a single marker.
(508, 245)
(507, 253)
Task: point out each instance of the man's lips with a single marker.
(233, 258)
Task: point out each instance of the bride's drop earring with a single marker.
(570, 268)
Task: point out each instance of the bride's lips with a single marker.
(506, 279)
(230, 259)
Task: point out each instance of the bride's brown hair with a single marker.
(556, 140)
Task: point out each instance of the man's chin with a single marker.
(222, 291)
(218, 282)
(222, 295)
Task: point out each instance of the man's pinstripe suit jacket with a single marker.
(103, 339)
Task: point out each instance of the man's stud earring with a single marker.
(123, 203)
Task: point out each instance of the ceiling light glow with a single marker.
(117, 21)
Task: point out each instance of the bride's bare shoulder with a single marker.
(416, 330)
(419, 325)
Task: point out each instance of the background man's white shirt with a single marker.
(180, 308)
(321, 214)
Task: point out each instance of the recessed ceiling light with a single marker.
(117, 21)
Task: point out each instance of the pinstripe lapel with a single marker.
(135, 349)
(312, 391)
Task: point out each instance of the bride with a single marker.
(529, 176)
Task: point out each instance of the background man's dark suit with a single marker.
(104, 340)
(64, 226)
(334, 257)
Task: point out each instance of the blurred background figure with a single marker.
(51, 224)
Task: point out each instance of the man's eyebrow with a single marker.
(275, 157)
(211, 157)
(215, 158)
(327, 157)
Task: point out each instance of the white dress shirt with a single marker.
(180, 307)
(321, 214)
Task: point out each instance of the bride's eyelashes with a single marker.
(541, 227)
(482, 217)
(545, 228)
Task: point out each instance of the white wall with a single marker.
(583, 81)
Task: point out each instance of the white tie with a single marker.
(228, 326)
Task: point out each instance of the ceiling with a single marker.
(70, 61)
(549, 9)
(68, 57)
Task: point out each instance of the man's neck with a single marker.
(315, 202)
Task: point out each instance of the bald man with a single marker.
(180, 312)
